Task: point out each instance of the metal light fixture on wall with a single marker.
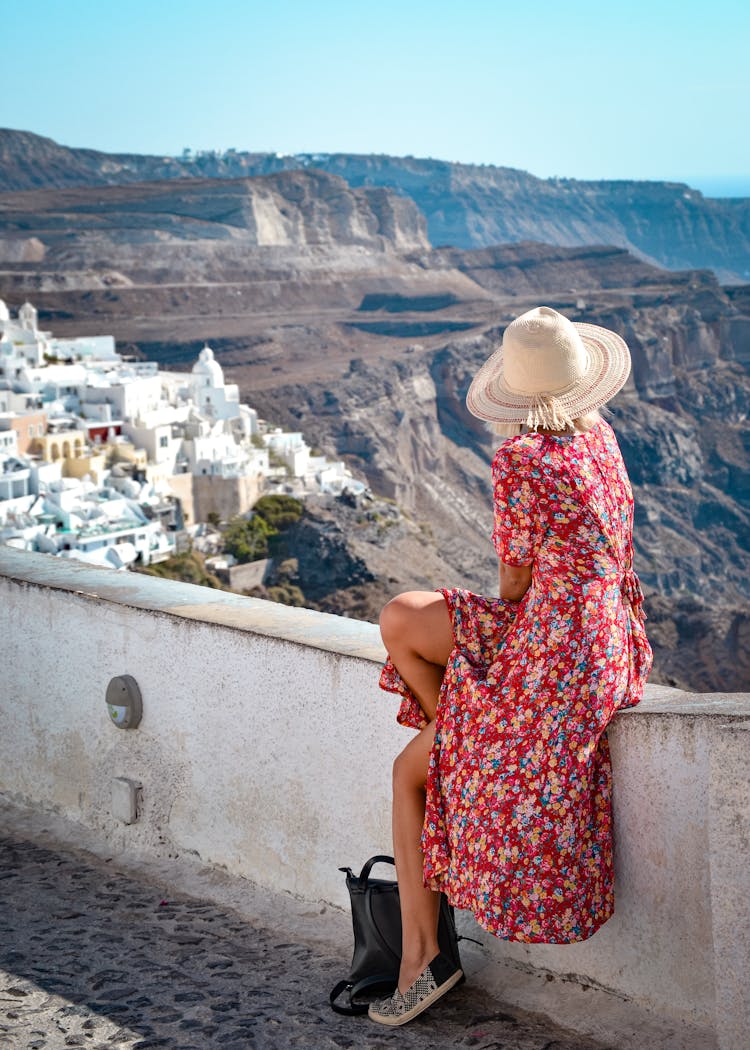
(124, 702)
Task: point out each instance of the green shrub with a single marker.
(249, 539)
(286, 594)
(188, 567)
(279, 511)
(246, 539)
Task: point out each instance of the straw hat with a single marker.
(548, 371)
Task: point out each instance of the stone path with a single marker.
(93, 957)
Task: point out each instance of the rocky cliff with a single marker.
(470, 206)
(297, 209)
(465, 205)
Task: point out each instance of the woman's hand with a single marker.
(514, 581)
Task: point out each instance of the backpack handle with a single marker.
(364, 875)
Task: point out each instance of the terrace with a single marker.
(262, 764)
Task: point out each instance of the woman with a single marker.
(502, 801)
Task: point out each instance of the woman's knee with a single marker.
(417, 621)
(398, 616)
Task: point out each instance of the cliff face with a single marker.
(466, 206)
(291, 209)
(469, 206)
(529, 268)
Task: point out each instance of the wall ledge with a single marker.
(317, 630)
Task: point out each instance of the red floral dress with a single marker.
(518, 823)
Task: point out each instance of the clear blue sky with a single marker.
(587, 88)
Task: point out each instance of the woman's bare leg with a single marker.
(418, 635)
(419, 906)
(417, 632)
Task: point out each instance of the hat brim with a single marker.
(607, 371)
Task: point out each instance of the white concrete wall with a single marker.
(266, 746)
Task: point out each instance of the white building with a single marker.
(15, 478)
(290, 448)
(55, 384)
(120, 395)
(15, 402)
(94, 347)
(213, 398)
(8, 443)
(74, 518)
(21, 342)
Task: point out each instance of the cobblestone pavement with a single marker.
(93, 957)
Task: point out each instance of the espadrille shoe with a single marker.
(432, 984)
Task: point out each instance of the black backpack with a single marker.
(376, 918)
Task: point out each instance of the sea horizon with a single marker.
(718, 185)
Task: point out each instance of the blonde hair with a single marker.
(508, 430)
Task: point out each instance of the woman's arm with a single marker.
(514, 581)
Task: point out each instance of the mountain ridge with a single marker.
(466, 206)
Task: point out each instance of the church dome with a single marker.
(208, 366)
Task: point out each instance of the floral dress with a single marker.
(518, 825)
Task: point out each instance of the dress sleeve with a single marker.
(518, 529)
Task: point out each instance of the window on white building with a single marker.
(163, 441)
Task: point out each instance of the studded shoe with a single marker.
(432, 984)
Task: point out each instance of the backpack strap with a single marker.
(349, 1009)
(353, 1008)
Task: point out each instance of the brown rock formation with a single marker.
(297, 209)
